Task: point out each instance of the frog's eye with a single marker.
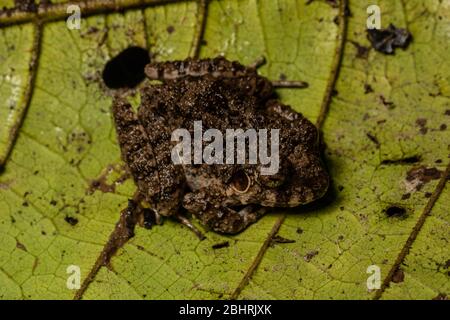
(240, 181)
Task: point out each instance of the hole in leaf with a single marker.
(126, 70)
(395, 211)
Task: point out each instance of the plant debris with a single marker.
(224, 244)
(386, 40)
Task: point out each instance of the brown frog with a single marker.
(222, 95)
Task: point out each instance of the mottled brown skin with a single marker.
(222, 94)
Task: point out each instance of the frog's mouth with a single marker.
(245, 208)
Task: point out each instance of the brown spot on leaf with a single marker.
(367, 88)
(101, 183)
(170, 29)
(417, 177)
(406, 196)
(20, 246)
(362, 52)
(398, 276)
(386, 103)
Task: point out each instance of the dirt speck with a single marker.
(374, 139)
(20, 246)
(311, 254)
(71, 220)
(362, 52)
(406, 196)
(388, 104)
(220, 245)
(422, 124)
(170, 29)
(280, 239)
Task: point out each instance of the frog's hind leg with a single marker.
(161, 185)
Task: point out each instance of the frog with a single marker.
(225, 198)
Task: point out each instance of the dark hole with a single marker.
(126, 70)
(395, 211)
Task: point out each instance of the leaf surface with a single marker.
(385, 132)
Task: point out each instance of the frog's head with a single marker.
(301, 176)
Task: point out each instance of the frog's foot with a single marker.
(289, 84)
(230, 221)
(185, 221)
(259, 62)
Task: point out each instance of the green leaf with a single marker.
(385, 130)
